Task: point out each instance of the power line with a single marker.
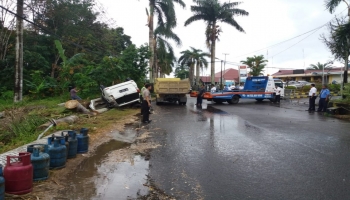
(315, 29)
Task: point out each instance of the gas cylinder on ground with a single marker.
(41, 163)
(73, 144)
(58, 153)
(83, 140)
(18, 174)
(63, 140)
(2, 185)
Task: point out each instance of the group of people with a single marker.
(324, 98)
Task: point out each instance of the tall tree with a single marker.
(256, 65)
(188, 58)
(213, 12)
(331, 5)
(165, 12)
(338, 41)
(164, 55)
(181, 72)
(320, 66)
(18, 91)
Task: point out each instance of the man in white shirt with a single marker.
(312, 97)
(232, 87)
(213, 89)
(278, 94)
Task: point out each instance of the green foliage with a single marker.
(320, 66)
(290, 88)
(256, 64)
(334, 87)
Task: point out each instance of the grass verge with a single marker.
(21, 122)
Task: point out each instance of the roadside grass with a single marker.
(21, 122)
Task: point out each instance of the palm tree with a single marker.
(165, 11)
(331, 5)
(188, 59)
(256, 65)
(195, 58)
(164, 54)
(320, 66)
(213, 12)
(181, 72)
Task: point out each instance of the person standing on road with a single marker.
(73, 94)
(141, 95)
(278, 94)
(324, 97)
(312, 97)
(213, 89)
(200, 96)
(146, 103)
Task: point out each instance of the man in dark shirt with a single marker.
(73, 94)
(200, 96)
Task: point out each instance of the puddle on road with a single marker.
(101, 177)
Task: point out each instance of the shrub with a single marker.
(334, 87)
(290, 88)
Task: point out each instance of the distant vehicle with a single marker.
(303, 83)
(295, 84)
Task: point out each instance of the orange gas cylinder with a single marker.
(18, 174)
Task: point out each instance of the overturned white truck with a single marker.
(118, 95)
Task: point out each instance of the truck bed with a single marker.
(171, 87)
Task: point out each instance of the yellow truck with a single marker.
(171, 90)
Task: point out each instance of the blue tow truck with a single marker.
(259, 88)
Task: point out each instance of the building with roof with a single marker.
(311, 75)
(229, 76)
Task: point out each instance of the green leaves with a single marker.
(256, 64)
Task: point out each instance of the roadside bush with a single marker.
(334, 87)
(290, 88)
(306, 88)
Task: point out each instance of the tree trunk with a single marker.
(345, 78)
(197, 73)
(212, 51)
(155, 61)
(151, 45)
(191, 73)
(18, 91)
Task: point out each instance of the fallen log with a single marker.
(75, 105)
(69, 120)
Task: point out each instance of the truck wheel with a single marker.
(218, 101)
(259, 100)
(157, 102)
(234, 100)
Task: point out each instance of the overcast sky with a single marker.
(269, 22)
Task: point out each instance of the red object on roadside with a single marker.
(193, 94)
(18, 174)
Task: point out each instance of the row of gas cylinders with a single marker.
(34, 165)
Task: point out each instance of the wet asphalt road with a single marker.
(250, 150)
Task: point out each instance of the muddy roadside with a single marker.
(117, 163)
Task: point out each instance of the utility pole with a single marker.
(225, 62)
(18, 90)
(221, 86)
